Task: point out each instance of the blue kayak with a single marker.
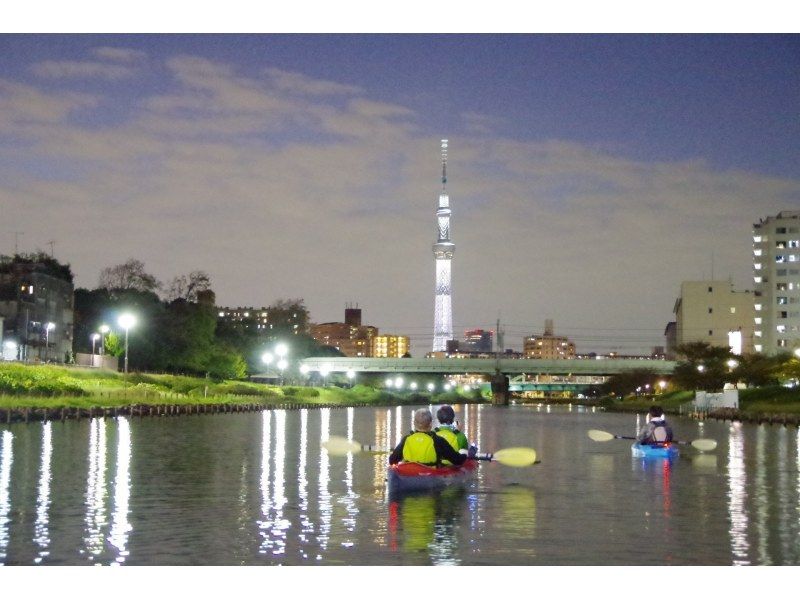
(666, 450)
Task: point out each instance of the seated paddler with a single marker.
(656, 429)
(449, 430)
(422, 445)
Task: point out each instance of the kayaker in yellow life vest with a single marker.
(448, 429)
(423, 446)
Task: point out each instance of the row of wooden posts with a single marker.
(752, 418)
(29, 414)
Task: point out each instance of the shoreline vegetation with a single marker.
(36, 391)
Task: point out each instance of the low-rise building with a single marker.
(547, 345)
(37, 306)
(350, 337)
(390, 345)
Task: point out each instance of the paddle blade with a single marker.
(704, 444)
(338, 445)
(600, 436)
(515, 457)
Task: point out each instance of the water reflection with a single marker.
(428, 523)
(120, 527)
(349, 499)
(306, 527)
(41, 534)
(517, 515)
(96, 488)
(325, 509)
(737, 495)
(6, 458)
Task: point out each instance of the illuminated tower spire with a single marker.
(443, 251)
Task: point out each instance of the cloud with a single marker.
(119, 54)
(73, 69)
(303, 85)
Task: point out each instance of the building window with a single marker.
(780, 231)
(756, 239)
(733, 310)
(757, 333)
(782, 300)
(711, 310)
(781, 286)
(780, 244)
(780, 328)
(780, 259)
(793, 244)
(758, 306)
(756, 279)
(781, 342)
(757, 320)
(757, 252)
(781, 272)
(782, 315)
(757, 266)
(710, 333)
(710, 289)
(758, 348)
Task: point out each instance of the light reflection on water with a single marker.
(41, 532)
(6, 458)
(133, 490)
(120, 527)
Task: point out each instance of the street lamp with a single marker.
(701, 368)
(324, 371)
(95, 336)
(281, 350)
(389, 383)
(662, 384)
(351, 375)
(413, 386)
(47, 328)
(126, 321)
(431, 386)
(398, 382)
(282, 364)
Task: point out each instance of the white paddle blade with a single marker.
(338, 445)
(600, 436)
(515, 457)
(704, 444)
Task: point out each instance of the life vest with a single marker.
(451, 436)
(658, 435)
(419, 448)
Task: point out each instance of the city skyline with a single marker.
(593, 175)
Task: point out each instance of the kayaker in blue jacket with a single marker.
(656, 430)
(423, 446)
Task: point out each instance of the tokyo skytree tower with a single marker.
(443, 251)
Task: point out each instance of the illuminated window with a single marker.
(780, 244)
(782, 300)
(782, 342)
(781, 286)
(757, 252)
(757, 266)
(793, 244)
(757, 333)
(780, 328)
(780, 259)
(757, 320)
(756, 279)
(757, 239)
(758, 348)
(758, 307)
(733, 310)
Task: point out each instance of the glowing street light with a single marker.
(10, 348)
(398, 382)
(324, 371)
(126, 321)
(413, 386)
(431, 386)
(351, 375)
(281, 350)
(732, 363)
(389, 383)
(662, 384)
(701, 368)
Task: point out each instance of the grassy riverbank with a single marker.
(55, 387)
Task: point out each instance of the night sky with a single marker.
(588, 175)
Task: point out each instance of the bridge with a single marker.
(509, 367)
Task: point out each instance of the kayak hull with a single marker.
(658, 451)
(415, 476)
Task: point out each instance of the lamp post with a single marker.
(267, 359)
(95, 336)
(282, 364)
(47, 328)
(351, 376)
(324, 371)
(126, 321)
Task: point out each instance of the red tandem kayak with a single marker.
(415, 476)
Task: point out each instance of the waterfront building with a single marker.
(350, 337)
(390, 345)
(37, 306)
(671, 338)
(281, 319)
(711, 311)
(776, 274)
(443, 251)
(547, 345)
(476, 341)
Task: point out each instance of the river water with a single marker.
(257, 488)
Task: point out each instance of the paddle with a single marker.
(701, 444)
(513, 457)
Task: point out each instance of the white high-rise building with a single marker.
(443, 251)
(776, 274)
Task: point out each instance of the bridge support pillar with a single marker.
(500, 392)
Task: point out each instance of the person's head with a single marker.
(445, 414)
(655, 412)
(422, 420)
